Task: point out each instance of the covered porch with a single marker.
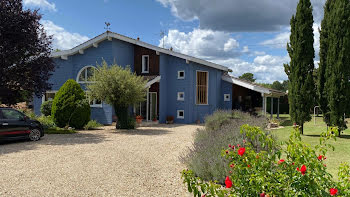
(252, 98)
(149, 109)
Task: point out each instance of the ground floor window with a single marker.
(150, 112)
(49, 96)
(180, 114)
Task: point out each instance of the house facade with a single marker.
(181, 86)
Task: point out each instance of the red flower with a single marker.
(233, 147)
(248, 166)
(226, 152)
(232, 165)
(241, 151)
(321, 157)
(293, 163)
(229, 145)
(302, 169)
(262, 194)
(333, 191)
(228, 182)
(280, 161)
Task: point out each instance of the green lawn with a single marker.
(311, 136)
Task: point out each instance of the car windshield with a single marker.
(12, 114)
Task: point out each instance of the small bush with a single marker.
(92, 124)
(222, 128)
(45, 108)
(59, 131)
(69, 106)
(131, 123)
(46, 121)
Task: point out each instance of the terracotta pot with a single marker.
(139, 120)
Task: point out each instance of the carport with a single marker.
(251, 97)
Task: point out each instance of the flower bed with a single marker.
(295, 170)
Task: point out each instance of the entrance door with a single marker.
(153, 106)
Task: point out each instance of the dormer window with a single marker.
(145, 64)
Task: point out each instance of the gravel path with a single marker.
(107, 162)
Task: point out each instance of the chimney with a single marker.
(138, 38)
(171, 48)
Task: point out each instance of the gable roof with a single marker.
(111, 35)
(253, 86)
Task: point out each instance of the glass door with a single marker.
(153, 106)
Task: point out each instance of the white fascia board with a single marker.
(157, 79)
(246, 85)
(106, 35)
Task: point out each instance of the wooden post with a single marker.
(271, 116)
(147, 105)
(278, 108)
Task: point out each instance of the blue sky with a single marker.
(247, 36)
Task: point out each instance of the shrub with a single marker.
(300, 172)
(203, 158)
(46, 108)
(92, 124)
(46, 121)
(69, 106)
(81, 115)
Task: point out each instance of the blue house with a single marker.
(179, 85)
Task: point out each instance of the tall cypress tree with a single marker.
(334, 85)
(321, 79)
(300, 70)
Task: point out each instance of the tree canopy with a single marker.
(248, 77)
(118, 87)
(25, 63)
(300, 70)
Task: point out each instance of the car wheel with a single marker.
(34, 134)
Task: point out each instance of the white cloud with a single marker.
(206, 44)
(40, 3)
(281, 39)
(221, 48)
(62, 39)
(266, 68)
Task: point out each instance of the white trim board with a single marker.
(94, 42)
(155, 80)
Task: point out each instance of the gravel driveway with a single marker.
(107, 162)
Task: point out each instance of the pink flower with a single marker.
(333, 191)
(241, 151)
(226, 152)
(262, 194)
(280, 161)
(229, 145)
(228, 182)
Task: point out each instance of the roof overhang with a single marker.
(264, 91)
(110, 35)
(151, 82)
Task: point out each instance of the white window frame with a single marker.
(81, 70)
(207, 87)
(178, 114)
(93, 101)
(50, 91)
(227, 97)
(178, 74)
(179, 98)
(143, 64)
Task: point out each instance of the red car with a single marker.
(15, 125)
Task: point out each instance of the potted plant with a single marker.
(139, 119)
(170, 119)
(154, 118)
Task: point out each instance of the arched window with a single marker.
(85, 74)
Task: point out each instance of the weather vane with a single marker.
(107, 26)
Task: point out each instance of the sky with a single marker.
(246, 36)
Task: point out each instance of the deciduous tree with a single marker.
(25, 63)
(120, 88)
